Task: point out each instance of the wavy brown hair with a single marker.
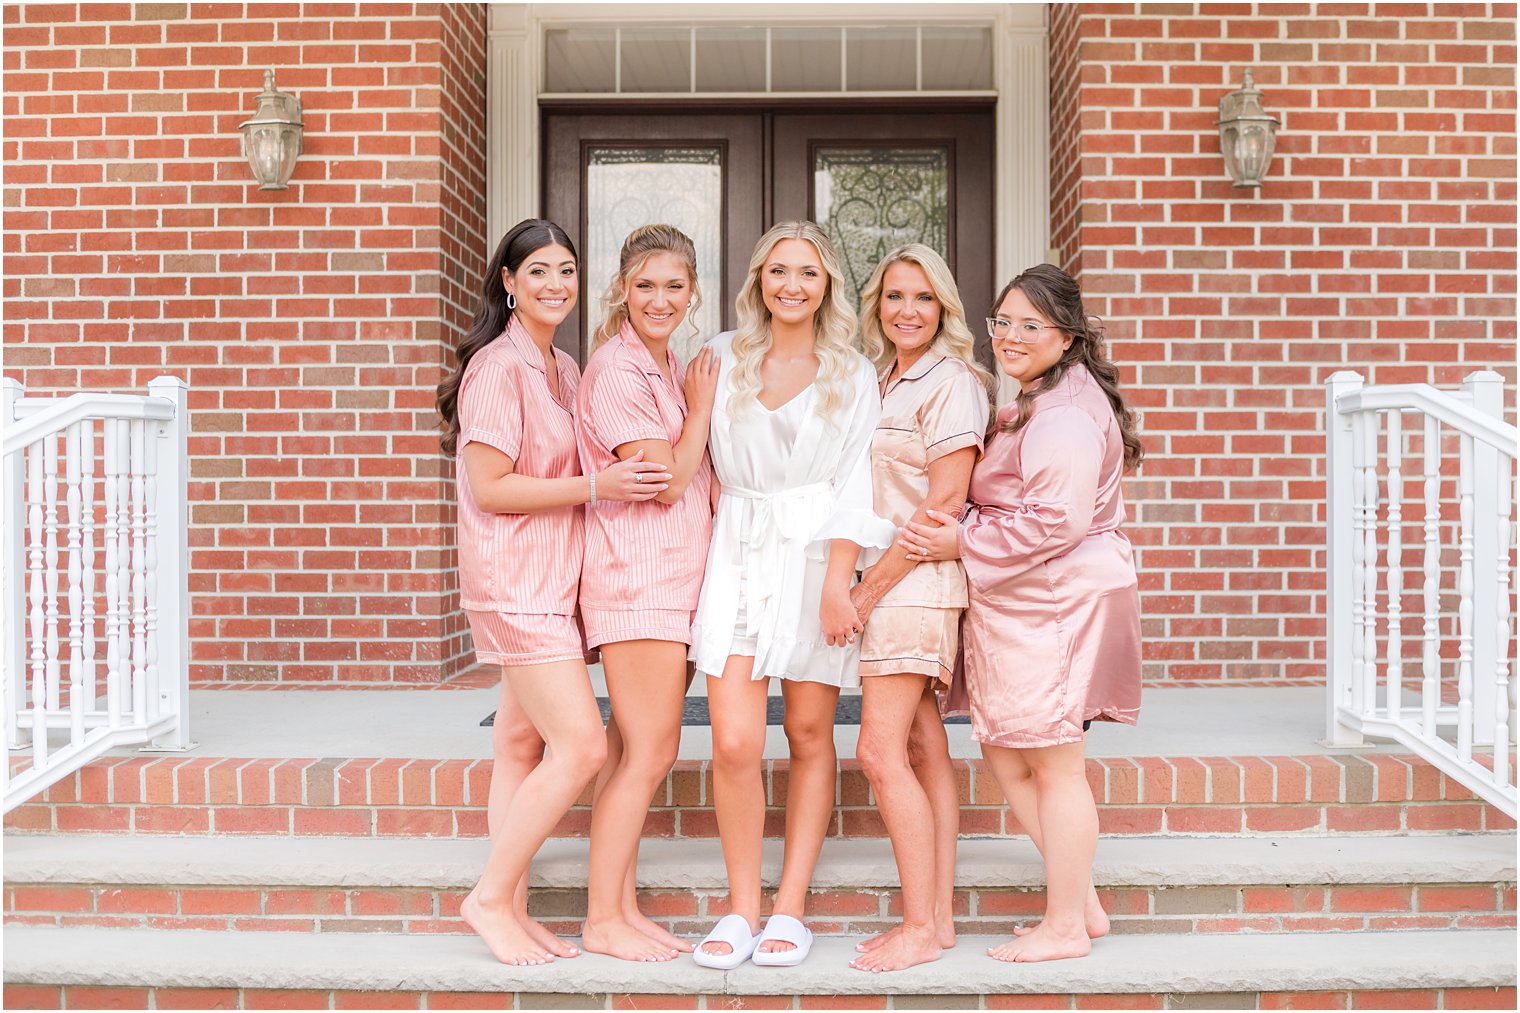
(521, 241)
(1059, 299)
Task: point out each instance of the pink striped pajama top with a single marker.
(521, 569)
(644, 561)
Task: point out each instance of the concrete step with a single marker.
(1265, 795)
(1149, 885)
(50, 967)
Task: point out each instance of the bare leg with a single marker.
(517, 749)
(644, 679)
(737, 705)
(557, 699)
(631, 913)
(887, 710)
(1069, 822)
(1018, 785)
(809, 727)
(929, 754)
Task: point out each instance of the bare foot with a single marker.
(654, 930)
(946, 937)
(908, 946)
(621, 940)
(548, 940)
(503, 934)
(1043, 944)
(1093, 914)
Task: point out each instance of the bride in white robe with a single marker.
(791, 448)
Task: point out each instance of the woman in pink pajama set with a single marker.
(644, 561)
(1052, 631)
(509, 411)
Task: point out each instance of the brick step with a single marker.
(93, 967)
(1150, 795)
(1152, 885)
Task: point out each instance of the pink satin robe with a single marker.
(1052, 632)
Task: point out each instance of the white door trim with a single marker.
(1020, 68)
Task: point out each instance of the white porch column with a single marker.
(512, 154)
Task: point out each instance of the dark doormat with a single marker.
(847, 713)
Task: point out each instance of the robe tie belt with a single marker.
(777, 519)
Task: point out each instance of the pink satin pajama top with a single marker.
(1052, 632)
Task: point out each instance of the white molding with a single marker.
(1020, 75)
(512, 154)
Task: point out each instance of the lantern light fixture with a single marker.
(272, 139)
(1246, 134)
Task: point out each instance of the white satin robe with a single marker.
(791, 482)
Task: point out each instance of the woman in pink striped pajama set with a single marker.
(509, 411)
(644, 561)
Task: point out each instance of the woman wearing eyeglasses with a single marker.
(1052, 631)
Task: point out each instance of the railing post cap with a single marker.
(1344, 377)
(1483, 376)
(168, 381)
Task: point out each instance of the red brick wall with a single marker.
(1382, 241)
(311, 324)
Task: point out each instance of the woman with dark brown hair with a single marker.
(1052, 631)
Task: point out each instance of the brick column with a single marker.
(312, 324)
(1383, 241)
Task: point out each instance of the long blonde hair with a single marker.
(641, 244)
(833, 324)
(953, 339)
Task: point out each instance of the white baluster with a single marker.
(50, 533)
(150, 572)
(1430, 637)
(124, 564)
(36, 562)
(1369, 502)
(1501, 599)
(1465, 604)
(1359, 659)
(139, 579)
(72, 455)
(1395, 559)
(87, 591)
(114, 548)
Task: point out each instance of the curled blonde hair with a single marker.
(953, 339)
(641, 244)
(833, 324)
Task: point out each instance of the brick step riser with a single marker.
(977, 911)
(445, 798)
(127, 997)
(700, 822)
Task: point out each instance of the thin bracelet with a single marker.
(592, 476)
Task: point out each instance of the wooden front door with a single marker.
(874, 179)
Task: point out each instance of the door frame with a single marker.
(1020, 69)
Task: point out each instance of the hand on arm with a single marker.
(948, 478)
(836, 613)
(497, 489)
(683, 459)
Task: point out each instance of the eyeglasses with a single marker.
(1025, 333)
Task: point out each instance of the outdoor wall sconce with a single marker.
(1246, 134)
(272, 140)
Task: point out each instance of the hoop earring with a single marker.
(511, 301)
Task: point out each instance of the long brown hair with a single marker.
(520, 242)
(1058, 297)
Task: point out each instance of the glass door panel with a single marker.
(629, 187)
(607, 175)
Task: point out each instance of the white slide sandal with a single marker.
(733, 930)
(784, 929)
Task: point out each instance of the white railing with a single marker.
(95, 616)
(1456, 708)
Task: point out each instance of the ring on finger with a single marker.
(638, 476)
